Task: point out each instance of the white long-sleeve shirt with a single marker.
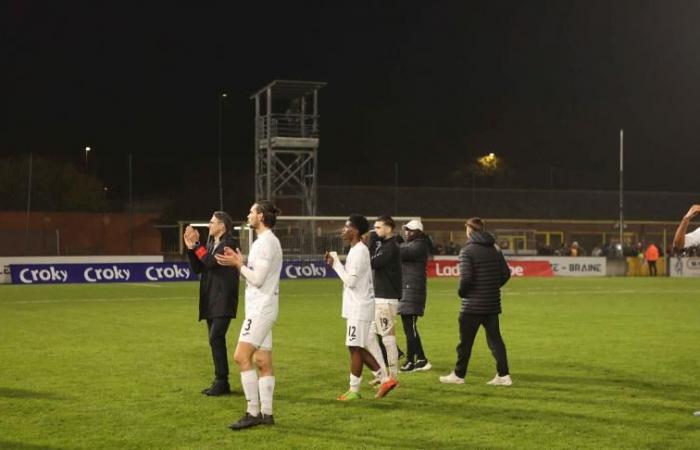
(358, 291)
(692, 239)
(262, 274)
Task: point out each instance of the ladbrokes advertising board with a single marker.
(531, 266)
(450, 268)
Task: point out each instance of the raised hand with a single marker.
(692, 212)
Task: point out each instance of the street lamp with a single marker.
(488, 162)
(87, 150)
(221, 183)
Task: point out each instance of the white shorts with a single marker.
(356, 332)
(384, 315)
(257, 331)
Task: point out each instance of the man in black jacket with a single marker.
(483, 271)
(218, 291)
(414, 259)
(386, 278)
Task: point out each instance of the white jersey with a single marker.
(263, 277)
(693, 239)
(358, 291)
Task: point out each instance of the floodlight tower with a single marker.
(287, 141)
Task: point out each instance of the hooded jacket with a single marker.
(414, 258)
(483, 271)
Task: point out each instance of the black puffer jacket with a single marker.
(218, 285)
(482, 270)
(414, 257)
(386, 268)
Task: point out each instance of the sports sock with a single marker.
(267, 388)
(381, 374)
(373, 347)
(355, 383)
(249, 381)
(392, 355)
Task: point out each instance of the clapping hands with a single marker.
(230, 257)
(191, 237)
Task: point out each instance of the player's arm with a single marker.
(682, 240)
(256, 276)
(384, 256)
(349, 273)
(505, 270)
(466, 271)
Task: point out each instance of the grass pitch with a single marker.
(596, 363)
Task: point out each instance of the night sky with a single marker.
(430, 85)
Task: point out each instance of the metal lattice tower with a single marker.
(286, 142)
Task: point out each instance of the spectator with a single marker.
(652, 255)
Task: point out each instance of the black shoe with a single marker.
(407, 367)
(267, 420)
(218, 388)
(247, 421)
(422, 365)
(205, 391)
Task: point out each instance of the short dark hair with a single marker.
(359, 222)
(269, 212)
(476, 224)
(387, 220)
(225, 219)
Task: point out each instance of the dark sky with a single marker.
(430, 85)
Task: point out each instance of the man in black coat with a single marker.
(483, 271)
(414, 258)
(218, 291)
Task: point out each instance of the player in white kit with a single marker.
(683, 239)
(254, 349)
(358, 308)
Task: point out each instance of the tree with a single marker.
(56, 186)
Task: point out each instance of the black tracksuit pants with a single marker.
(414, 352)
(468, 327)
(218, 326)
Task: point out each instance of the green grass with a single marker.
(596, 363)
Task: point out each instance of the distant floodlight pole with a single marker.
(131, 206)
(622, 204)
(29, 202)
(222, 96)
(396, 188)
(87, 150)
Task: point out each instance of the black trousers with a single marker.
(468, 327)
(652, 268)
(218, 326)
(414, 351)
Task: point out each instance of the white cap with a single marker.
(414, 225)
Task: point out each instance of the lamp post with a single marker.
(87, 151)
(222, 96)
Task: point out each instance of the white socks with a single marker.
(355, 383)
(249, 381)
(258, 392)
(267, 388)
(375, 350)
(392, 355)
